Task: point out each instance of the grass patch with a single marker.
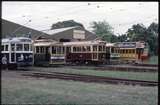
(53, 91)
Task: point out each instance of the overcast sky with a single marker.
(120, 15)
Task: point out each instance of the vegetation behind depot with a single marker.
(138, 32)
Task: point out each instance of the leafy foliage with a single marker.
(104, 30)
(63, 24)
(139, 32)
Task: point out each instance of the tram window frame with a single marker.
(37, 49)
(2, 47)
(53, 49)
(6, 47)
(58, 48)
(123, 51)
(74, 49)
(95, 48)
(100, 48)
(63, 49)
(28, 47)
(112, 49)
(84, 48)
(88, 48)
(68, 49)
(19, 48)
(103, 48)
(133, 50)
(13, 47)
(126, 51)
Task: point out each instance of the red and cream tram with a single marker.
(85, 52)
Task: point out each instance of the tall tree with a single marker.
(122, 38)
(68, 23)
(139, 32)
(104, 30)
(152, 32)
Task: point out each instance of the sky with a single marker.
(120, 15)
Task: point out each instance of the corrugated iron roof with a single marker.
(55, 31)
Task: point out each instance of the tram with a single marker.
(18, 51)
(85, 52)
(134, 52)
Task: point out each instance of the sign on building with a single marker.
(78, 34)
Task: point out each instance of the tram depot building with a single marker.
(67, 34)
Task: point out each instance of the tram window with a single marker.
(112, 50)
(107, 50)
(126, 51)
(6, 47)
(133, 51)
(103, 48)
(88, 48)
(94, 48)
(26, 47)
(19, 47)
(68, 49)
(2, 48)
(37, 49)
(117, 50)
(120, 51)
(40, 50)
(77, 49)
(123, 51)
(62, 50)
(31, 47)
(12, 47)
(100, 48)
(53, 50)
(58, 50)
(74, 49)
(84, 48)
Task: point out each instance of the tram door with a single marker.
(12, 54)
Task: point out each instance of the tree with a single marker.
(139, 32)
(152, 32)
(104, 30)
(68, 23)
(122, 38)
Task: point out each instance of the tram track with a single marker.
(88, 78)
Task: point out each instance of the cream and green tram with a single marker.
(57, 53)
(48, 52)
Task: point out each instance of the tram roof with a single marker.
(54, 31)
(83, 43)
(130, 44)
(46, 43)
(110, 44)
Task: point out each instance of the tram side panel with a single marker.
(41, 56)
